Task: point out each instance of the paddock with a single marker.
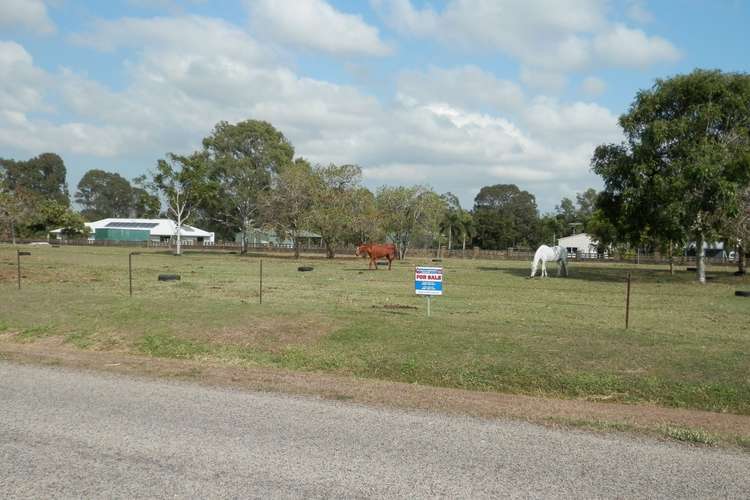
(493, 330)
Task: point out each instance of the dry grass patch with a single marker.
(273, 335)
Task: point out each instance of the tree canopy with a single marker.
(105, 194)
(685, 159)
(42, 176)
(243, 160)
(505, 217)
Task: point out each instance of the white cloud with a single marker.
(543, 80)
(315, 25)
(469, 86)
(547, 35)
(627, 47)
(593, 86)
(20, 81)
(31, 14)
(187, 35)
(638, 12)
(570, 123)
(454, 128)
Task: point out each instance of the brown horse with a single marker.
(376, 252)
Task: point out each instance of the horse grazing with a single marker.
(376, 252)
(546, 254)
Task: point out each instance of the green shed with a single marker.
(114, 234)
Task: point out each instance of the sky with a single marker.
(454, 94)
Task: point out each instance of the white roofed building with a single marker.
(155, 230)
(579, 244)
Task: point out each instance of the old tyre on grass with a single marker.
(169, 277)
(304, 269)
(742, 293)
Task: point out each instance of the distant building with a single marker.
(155, 230)
(713, 250)
(581, 243)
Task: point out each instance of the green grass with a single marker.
(695, 436)
(494, 330)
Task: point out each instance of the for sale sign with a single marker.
(428, 281)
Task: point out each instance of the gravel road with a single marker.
(66, 433)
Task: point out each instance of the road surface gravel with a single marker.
(68, 433)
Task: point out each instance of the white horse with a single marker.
(546, 254)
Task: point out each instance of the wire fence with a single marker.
(281, 250)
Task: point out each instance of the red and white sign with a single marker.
(428, 281)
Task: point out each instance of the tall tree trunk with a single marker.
(13, 231)
(700, 255)
(297, 244)
(671, 259)
(450, 238)
(463, 248)
(330, 251)
(179, 238)
(741, 260)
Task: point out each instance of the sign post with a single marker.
(130, 270)
(428, 281)
(18, 257)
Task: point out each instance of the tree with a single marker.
(51, 214)
(551, 228)
(569, 215)
(685, 159)
(244, 159)
(586, 204)
(738, 228)
(567, 210)
(288, 203)
(602, 230)
(104, 194)
(366, 219)
(408, 213)
(467, 229)
(16, 207)
(42, 176)
(334, 203)
(182, 181)
(144, 204)
(451, 222)
(505, 216)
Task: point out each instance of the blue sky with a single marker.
(455, 94)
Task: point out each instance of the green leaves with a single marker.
(681, 167)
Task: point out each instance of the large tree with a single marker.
(244, 158)
(409, 213)
(333, 213)
(16, 208)
(286, 206)
(738, 230)
(684, 162)
(105, 194)
(505, 217)
(182, 182)
(51, 214)
(42, 176)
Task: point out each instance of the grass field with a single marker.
(494, 330)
